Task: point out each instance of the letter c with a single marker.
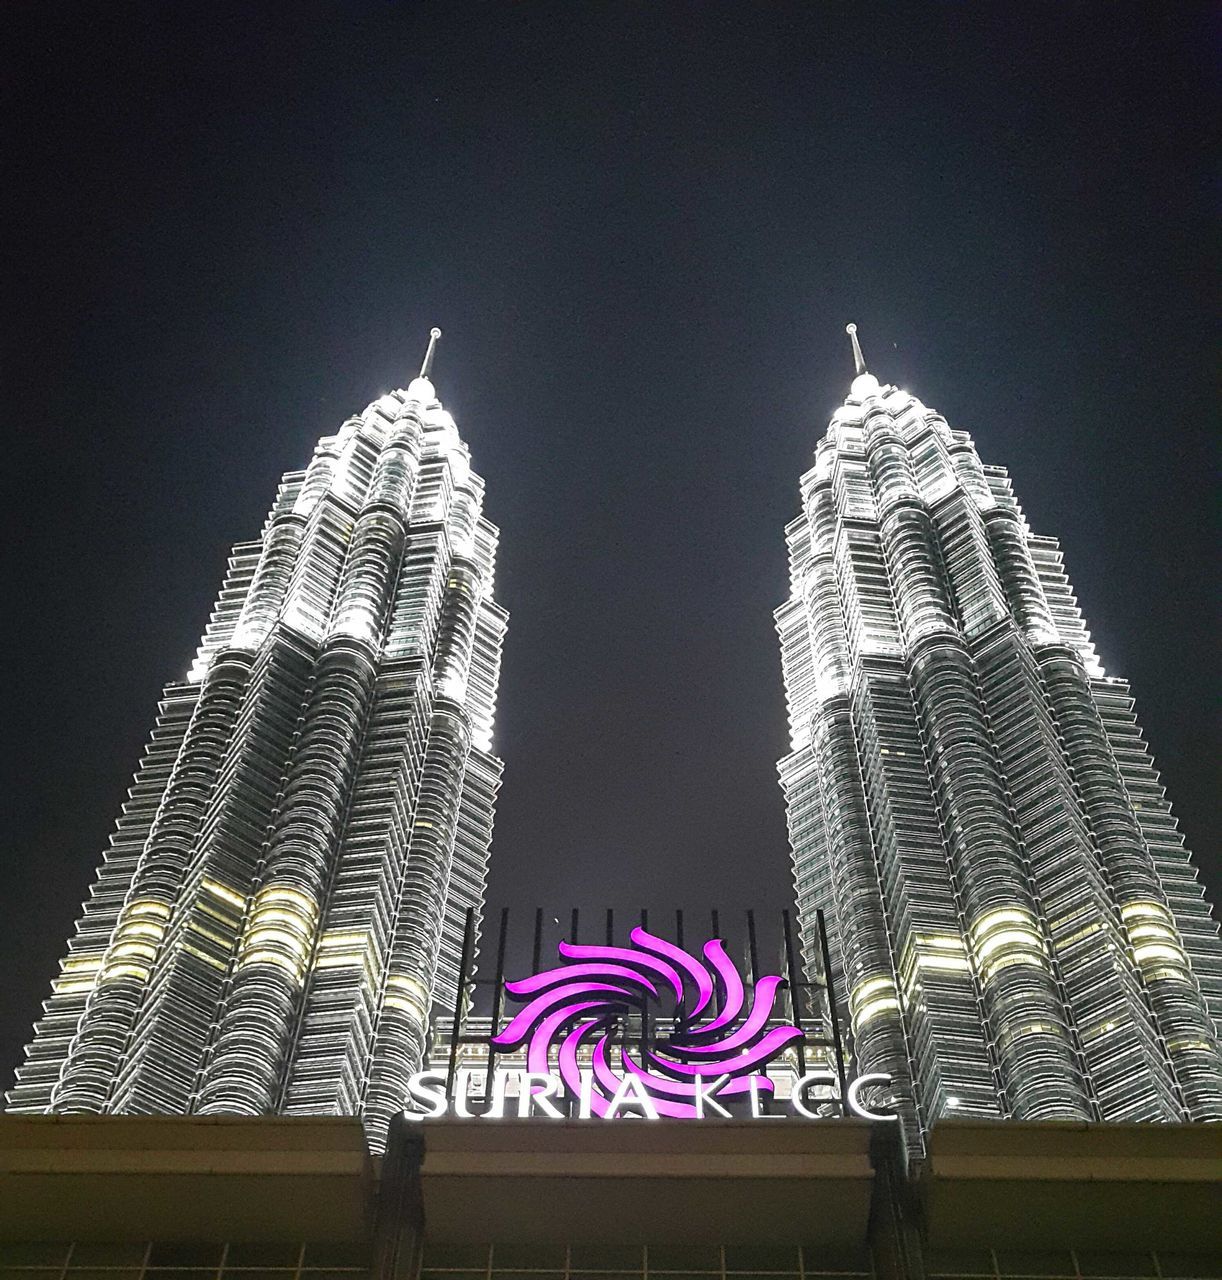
(854, 1099)
(798, 1098)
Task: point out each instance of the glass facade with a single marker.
(1078, 1264)
(177, 1261)
(1018, 927)
(284, 898)
(280, 1261)
(636, 1262)
(678, 1262)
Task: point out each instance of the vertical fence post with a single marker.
(795, 1003)
(497, 989)
(753, 952)
(829, 986)
(464, 971)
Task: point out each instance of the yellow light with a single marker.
(80, 973)
(225, 894)
(407, 994)
(1024, 938)
(147, 907)
(871, 985)
(991, 920)
(874, 1009)
(947, 941)
(1150, 931)
(938, 952)
(281, 930)
(141, 949)
(1169, 975)
(347, 950)
(1079, 935)
(994, 967)
(266, 937)
(872, 998)
(284, 893)
(204, 932)
(949, 963)
(139, 935)
(1156, 910)
(276, 958)
(332, 941)
(273, 916)
(144, 929)
(211, 961)
(1157, 951)
(71, 986)
(139, 972)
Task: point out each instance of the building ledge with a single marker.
(1071, 1185)
(96, 1178)
(649, 1180)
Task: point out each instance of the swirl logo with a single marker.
(718, 1034)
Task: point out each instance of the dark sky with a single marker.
(642, 228)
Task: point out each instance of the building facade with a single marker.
(284, 898)
(1019, 927)
(299, 1198)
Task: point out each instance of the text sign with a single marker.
(716, 1048)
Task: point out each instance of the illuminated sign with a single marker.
(649, 1030)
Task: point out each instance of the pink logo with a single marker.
(582, 1003)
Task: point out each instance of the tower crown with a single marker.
(865, 383)
(421, 386)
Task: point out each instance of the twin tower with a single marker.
(1015, 924)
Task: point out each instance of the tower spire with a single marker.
(859, 360)
(427, 367)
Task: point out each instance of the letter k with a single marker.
(706, 1095)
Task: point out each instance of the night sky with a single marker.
(642, 228)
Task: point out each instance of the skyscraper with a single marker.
(1018, 928)
(284, 897)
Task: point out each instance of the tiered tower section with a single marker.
(1019, 929)
(284, 898)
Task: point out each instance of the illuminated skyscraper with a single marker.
(284, 898)
(1018, 927)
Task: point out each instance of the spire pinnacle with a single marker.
(427, 367)
(859, 360)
